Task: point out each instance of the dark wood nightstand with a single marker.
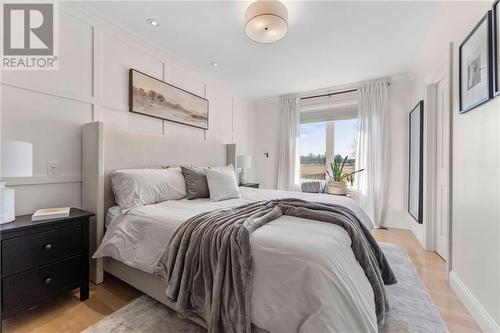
(42, 258)
(254, 185)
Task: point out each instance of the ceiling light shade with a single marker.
(266, 21)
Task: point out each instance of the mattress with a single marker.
(306, 278)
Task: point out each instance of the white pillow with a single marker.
(227, 167)
(139, 187)
(222, 184)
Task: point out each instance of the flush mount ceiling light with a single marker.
(153, 22)
(266, 21)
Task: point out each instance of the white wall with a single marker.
(267, 122)
(266, 115)
(48, 108)
(476, 171)
(400, 104)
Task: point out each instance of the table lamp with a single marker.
(17, 161)
(244, 162)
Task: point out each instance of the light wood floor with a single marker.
(68, 314)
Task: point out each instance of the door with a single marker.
(442, 174)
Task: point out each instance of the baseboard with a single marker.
(477, 311)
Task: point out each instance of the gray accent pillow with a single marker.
(196, 182)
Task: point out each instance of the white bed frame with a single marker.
(108, 148)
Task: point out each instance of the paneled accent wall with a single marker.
(48, 108)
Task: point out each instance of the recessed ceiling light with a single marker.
(153, 22)
(215, 64)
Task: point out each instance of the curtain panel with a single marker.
(373, 149)
(288, 157)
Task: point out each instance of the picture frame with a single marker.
(476, 66)
(496, 47)
(416, 163)
(155, 98)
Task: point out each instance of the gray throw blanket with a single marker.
(208, 263)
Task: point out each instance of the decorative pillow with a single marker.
(196, 182)
(222, 184)
(227, 167)
(140, 187)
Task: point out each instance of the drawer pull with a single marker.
(47, 281)
(47, 247)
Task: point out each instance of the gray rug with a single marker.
(412, 309)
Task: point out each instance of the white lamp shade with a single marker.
(266, 21)
(244, 161)
(17, 159)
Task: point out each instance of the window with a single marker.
(313, 150)
(345, 141)
(328, 128)
(321, 141)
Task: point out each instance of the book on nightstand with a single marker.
(50, 213)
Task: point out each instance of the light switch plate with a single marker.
(53, 168)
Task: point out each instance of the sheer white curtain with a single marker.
(372, 149)
(288, 157)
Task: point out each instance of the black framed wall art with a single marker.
(476, 66)
(496, 47)
(152, 97)
(416, 163)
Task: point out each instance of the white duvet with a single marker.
(306, 278)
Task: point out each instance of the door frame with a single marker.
(443, 70)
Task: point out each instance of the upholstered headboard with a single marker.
(107, 148)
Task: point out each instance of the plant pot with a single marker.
(338, 188)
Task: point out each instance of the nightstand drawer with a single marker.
(31, 285)
(33, 250)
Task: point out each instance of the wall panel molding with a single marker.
(96, 74)
(29, 86)
(38, 180)
(107, 51)
(116, 107)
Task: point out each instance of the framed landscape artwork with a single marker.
(496, 46)
(416, 163)
(476, 62)
(152, 97)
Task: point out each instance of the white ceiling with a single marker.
(328, 43)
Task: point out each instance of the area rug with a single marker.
(412, 310)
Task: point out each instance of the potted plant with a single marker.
(337, 178)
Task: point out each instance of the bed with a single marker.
(308, 281)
